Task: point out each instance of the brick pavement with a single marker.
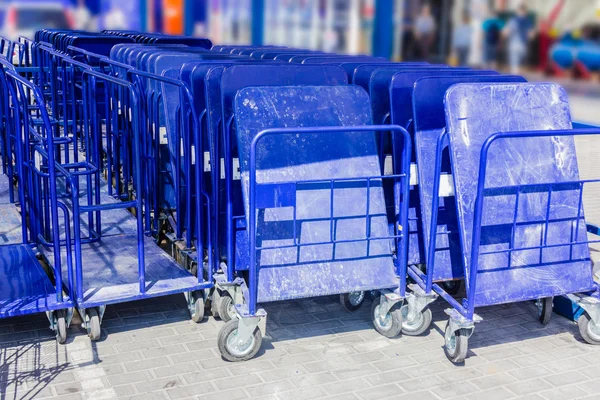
(315, 349)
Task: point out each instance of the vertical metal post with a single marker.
(383, 28)
(258, 21)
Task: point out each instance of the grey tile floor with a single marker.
(315, 349)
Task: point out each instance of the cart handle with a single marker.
(404, 167)
(478, 211)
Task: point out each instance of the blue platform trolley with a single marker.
(26, 287)
(522, 230)
(316, 219)
(221, 86)
(114, 258)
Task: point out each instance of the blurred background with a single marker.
(555, 38)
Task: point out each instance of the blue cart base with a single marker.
(24, 286)
(110, 272)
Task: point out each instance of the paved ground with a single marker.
(150, 350)
(316, 349)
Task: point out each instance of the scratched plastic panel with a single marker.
(110, 270)
(399, 84)
(473, 113)
(319, 269)
(24, 286)
(430, 122)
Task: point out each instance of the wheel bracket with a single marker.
(418, 300)
(248, 323)
(457, 321)
(388, 300)
(591, 305)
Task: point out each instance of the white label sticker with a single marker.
(162, 134)
(446, 185)
(236, 169)
(446, 180)
(206, 161)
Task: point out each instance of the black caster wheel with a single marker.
(418, 325)
(456, 344)
(452, 287)
(544, 309)
(352, 301)
(197, 306)
(61, 326)
(590, 332)
(226, 308)
(389, 325)
(230, 347)
(93, 324)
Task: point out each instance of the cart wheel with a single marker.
(588, 329)
(457, 344)
(389, 326)
(419, 325)
(352, 301)
(61, 327)
(198, 306)
(226, 308)
(452, 287)
(544, 308)
(93, 324)
(231, 350)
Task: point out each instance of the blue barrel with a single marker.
(589, 55)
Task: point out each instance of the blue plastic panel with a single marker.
(362, 73)
(349, 67)
(328, 59)
(473, 113)
(430, 122)
(24, 286)
(320, 269)
(398, 84)
(239, 76)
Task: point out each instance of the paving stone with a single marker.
(182, 392)
(527, 387)
(345, 386)
(566, 378)
(133, 377)
(380, 392)
(303, 394)
(498, 393)
(454, 389)
(490, 381)
(269, 388)
(564, 393)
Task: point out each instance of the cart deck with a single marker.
(544, 221)
(110, 271)
(24, 285)
(429, 124)
(287, 215)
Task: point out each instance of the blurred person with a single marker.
(518, 32)
(424, 31)
(82, 16)
(461, 40)
(115, 19)
(492, 33)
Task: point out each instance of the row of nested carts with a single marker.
(142, 165)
